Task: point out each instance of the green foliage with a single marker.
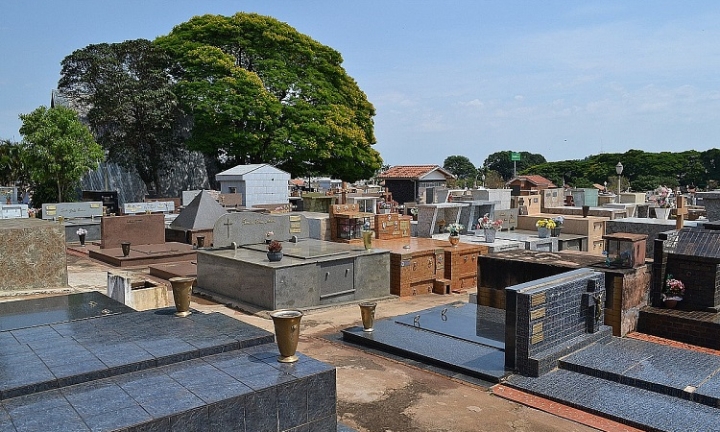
(641, 170)
(58, 148)
(500, 162)
(12, 169)
(130, 102)
(461, 167)
(261, 92)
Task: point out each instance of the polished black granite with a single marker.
(65, 308)
(152, 371)
(647, 385)
(476, 358)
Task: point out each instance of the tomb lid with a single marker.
(695, 242)
(623, 236)
(202, 213)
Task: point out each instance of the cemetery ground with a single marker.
(376, 392)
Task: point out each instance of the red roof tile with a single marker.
(537, 180)
(410, 171)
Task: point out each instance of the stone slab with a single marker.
(83, 209)
(32, 255)
(143, 255)
(152, 207)
(174, 269)
(13, 211)
(458, 354)
(144, 229)
(246, 228)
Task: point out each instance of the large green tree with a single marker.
(58, 147)
(502, 163)
(261, 92)
(461, 167)
(131, 106)
(12, 169)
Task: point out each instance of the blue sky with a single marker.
(565, 79)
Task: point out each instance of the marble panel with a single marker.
(144, 229)
(33, 255)
(83, 209)
(245, 228)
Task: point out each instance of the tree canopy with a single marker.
(58, 147)
(501, 163)
(259, 91)
(461, 167)
(126, 90)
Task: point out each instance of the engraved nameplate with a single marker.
(537, 299)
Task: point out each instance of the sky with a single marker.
(564, 79)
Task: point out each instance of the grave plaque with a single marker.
(84, 209)
(137, 229)
(13, 211)
(246, 228)
(152, 207)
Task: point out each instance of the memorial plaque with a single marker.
(537, 314)
(537, 299)
(84, 209)
(13, 211)
(137, 229)
(153, 207)
(246, 228)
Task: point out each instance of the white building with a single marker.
(258, 184)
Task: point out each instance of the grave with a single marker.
(137, 293)
(32, 255)
(196, 219)
(476, 210)
(166, 207)
(86, 362)
(84, 214)
(650, 227)
(13, 211)
(433, 218)
(311, 273)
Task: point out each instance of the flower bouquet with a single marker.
(486, 223)
(544, 227)
(454, 229)
(673, 289)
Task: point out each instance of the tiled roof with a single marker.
(536, 180)
(410, 171)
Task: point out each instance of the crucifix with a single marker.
(681, 211)
(227, 224)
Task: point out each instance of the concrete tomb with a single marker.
(311, 273)
(197, 219)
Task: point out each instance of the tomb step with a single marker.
(675, 372)
(51, 356)
(243, 390)
(470, 358)
(629, 405)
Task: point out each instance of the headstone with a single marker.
(552, 198)
(152, 207)
(13, 211)
(432, 216)
(500, 196)
(246, 228)
(141, 229)
(83, 209)
(200, 214)
(477, 209)
(8, 195)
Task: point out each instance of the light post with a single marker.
(618, 170)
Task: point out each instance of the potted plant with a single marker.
(673, 291)
(454, 230)
(559, 221)
(662, 202)
(81, 233)
(544, 226)
(490, 227)
(274, 251)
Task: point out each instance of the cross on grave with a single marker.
(227, 224)
(681, 211)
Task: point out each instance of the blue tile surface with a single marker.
(151, 371)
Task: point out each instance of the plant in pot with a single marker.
(559, 221)
(662, 202)
(81, 233)
(673, 291)
(454, 230)
(274, 251)
(490, 227)
(544, 227)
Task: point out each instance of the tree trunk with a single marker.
(59, 191)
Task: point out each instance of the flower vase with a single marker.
(662, 212)
(671, 302)
(274, 256)
(555, 232)
(367, 236)
(287, 333)
(82, 239)
(489, 235)
(454, 240)
(543, 232)
(182, 292)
